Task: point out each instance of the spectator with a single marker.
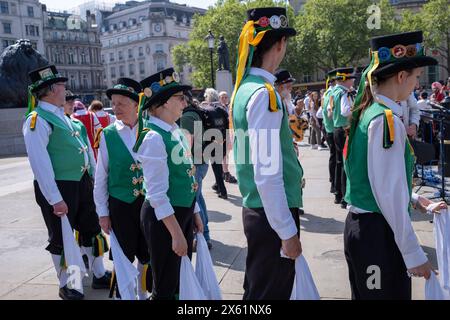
(438, 94)
(89, 120)
(423, 101)
(224, 103)
(103, 117)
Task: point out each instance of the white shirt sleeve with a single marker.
(268, 163)
(36, 142)
(96, 122)
(387, 176)
(101, 195)
(346, 106)
(153, 157)
(92, 161)
(414, 111)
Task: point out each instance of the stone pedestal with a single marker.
(224, 82)
(11, 138)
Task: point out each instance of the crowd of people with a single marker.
(140, 173)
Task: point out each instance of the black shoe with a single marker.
(215, 187)
(228, 177)
(223, 196)
(86, 261)
(301, 212)
(343, 204)
(70, 294)
(209, 243)
(337, 199)
(103, 282)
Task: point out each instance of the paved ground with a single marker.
(26, 270)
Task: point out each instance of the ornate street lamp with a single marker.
(210, 39)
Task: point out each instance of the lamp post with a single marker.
(210, 39)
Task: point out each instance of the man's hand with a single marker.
(423, 203)
(412, 130)
(105, 224)
(179, 244)
(198, 224)
(423, 270)
(60, 208)
(292, 247)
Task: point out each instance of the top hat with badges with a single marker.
(159, 87)
(391, 54)
(260, 22)
(41, 78)
(126, 87)
(343, 74)
(283, 76)
(44, 77)
(70, 96)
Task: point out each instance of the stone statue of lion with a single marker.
(15, 63)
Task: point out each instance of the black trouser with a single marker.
(369, 241)
(216, 164)
(126, 224)
(332, 160)
(78, 195)
(340, 179)
(165, 263)
(267, 275)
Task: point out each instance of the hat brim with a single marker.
(288, 32)
(49, 83)
(69, 98)
(164, 95)
(122, 92)
(403, 64)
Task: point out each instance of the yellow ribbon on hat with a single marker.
(246, 39)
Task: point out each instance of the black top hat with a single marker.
(283, 76)
(126, 87)
(343, 73)
(273, 19)
(70, 96)
(400, 51)
(44, 77)
(160, 86)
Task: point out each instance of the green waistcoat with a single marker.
(182, 184)
(338, 119)
(359, 192)
(125, 178)
(292, 170)
(327, 121)
(64, 149)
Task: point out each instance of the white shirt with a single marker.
(387, 176)
(153, 157)
(410, 111)
(423, 105)
(101, 195)
(269, 183)
(346, 103)
(36, 142)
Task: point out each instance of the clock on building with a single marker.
(157, 27)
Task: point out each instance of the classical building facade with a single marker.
(73, 45)
(138, 37)
(21, 20)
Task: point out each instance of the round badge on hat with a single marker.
(411, 51)
(168, 79)
(155, 87)
(399, 51)
(384, 54)
(275, 22)
(176, 77)
(263, 22)
(284, 21)
(148, 92)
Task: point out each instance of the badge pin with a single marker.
(384, 54)
(275, 22)
(176, 77)
(411, 51)
(148, 92)
(399, 51)
(284, 21)
(263, 22)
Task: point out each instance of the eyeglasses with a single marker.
(183, 97)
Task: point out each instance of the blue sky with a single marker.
(65, 5)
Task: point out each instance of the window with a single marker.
(57, 57)
(159, 48)
(30, 11)
(113, 72)
(130, 53)
(131, 68)
(72, 82)
(122, 71)
(7, 27)
(85, 82)
(32, 30)
(120, 55)
(103, 58)
(71, 57)
(5, 44)
(432, 74)
(141, 51)
(83, 58)
(141, 68)
(4, 7)
(160, 65)
(306, 78)
(111, 56)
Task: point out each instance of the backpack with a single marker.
(212, 116)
